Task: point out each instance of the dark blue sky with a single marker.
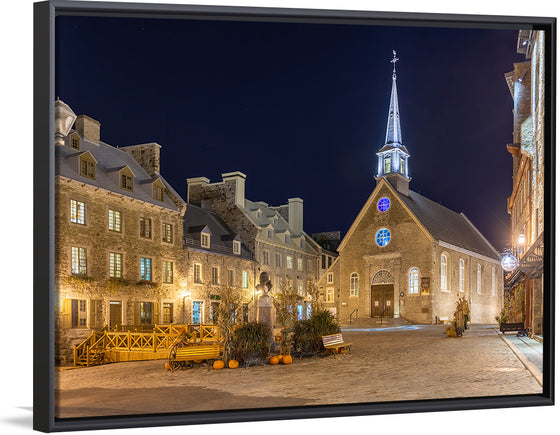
(302, 108)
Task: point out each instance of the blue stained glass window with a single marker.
(383, 237)
(383, 204)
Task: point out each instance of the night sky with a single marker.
(301, 109)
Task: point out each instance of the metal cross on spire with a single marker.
(394, 62)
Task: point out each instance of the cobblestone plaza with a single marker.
(404, 363)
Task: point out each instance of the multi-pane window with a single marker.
(158, 193)
(215, 274)
(382, 237)
(288, 262)
(330, 295)
(461, 275)
(300, 288)
(87, 168)
(75, 142)
(168, 272)
(478, 278)
(77, 212)
(145, 227)
(387, 164)
(443, 272)
(330, 278)
(323, 261)
(126, 182)
(402, 165)
(115, 265)
(413, 280)
(265, 258)
(300, 264)
(230, 277)
(167, 231)
(79, 261)
(278, 260)
(205, 240)
(115, 220)
(145, 269)
(236, 247)
(245, 279)
(198, 273)
(354, 284)
(79, 313)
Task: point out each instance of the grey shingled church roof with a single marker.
(110, 160)
(448, 226)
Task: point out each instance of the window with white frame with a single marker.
(478, 278)
(215, 275)
(461, 275)
(493, 281)
(145, 269)
(443, 272)
(245, 279)
(115, 265)
(278, 260)
(330, 295)
(354, 284)
(288, 262)
(205, 240)
(236, 247)
(168, 272)
(167, 233)
(77, 212)
(265, 258)
(145, 228)
(79, 261)
(330, 278)
(413, 281)
(115, 221)
(299, 288)
(300, 264)
(197, 273)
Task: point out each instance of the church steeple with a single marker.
(392, 158)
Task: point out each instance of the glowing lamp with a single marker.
(521, 239)
(509, 262)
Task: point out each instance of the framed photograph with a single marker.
(177, 278)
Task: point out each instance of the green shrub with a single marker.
(308, 333)
(252, 337)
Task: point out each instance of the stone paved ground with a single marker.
(384, 365)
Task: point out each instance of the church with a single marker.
(407, 256)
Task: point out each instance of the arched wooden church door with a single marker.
(382, 294)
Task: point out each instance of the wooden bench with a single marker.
(178, 356)
(514, 327)
(334, 342)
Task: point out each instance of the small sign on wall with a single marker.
(425, 285)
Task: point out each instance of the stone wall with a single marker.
(148, 155)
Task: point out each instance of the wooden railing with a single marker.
(91, 350)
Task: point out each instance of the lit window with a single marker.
(413, 278)
(198, 273)
(383, 204)
(115, 265)
(300, 288)
(300, 264)
(168, 272)
(354, 284)
(167, 231)
(402, 165)
(77, 212)
(245, 279)
(79, 263)
(205, 240)
(330, 295)
(145, 269)
(126, 182)
(158, 193)
(215, 273)
(330, 278)
(443, 272)
(478, 278)
(461, 275)
(288, 262)
(145, 228)
(387, 164)
(115, 220)
(236, 247)
(230, 277)
(87, 168)
(382, 237)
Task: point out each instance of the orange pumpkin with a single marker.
(279, 357)
(167, 366)
(218, 364)
(286, 359)
(342, 350)
(273, 360)
(233, 364)
(197, 361)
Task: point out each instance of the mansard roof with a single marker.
(110, 160)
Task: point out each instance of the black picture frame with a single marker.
(43, 205)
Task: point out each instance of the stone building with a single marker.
(526, 202)
(407, 256)
(118, 234)
(288, 255)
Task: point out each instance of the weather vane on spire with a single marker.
(394, 62)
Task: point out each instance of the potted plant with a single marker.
(251, 342)
(308, 333)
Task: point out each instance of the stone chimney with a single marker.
(147, 155)
(239, 188)
(295, 215)
(64, 117)
(196, 190)
(88, 128)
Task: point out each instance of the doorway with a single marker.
(382, 300)
(115, 314)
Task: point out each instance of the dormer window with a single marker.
(287, 238)
(157, 190)
(127, 179)
(87, 165)
(205, 240)
(236, 247)
(270, 234)
(75, 141)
